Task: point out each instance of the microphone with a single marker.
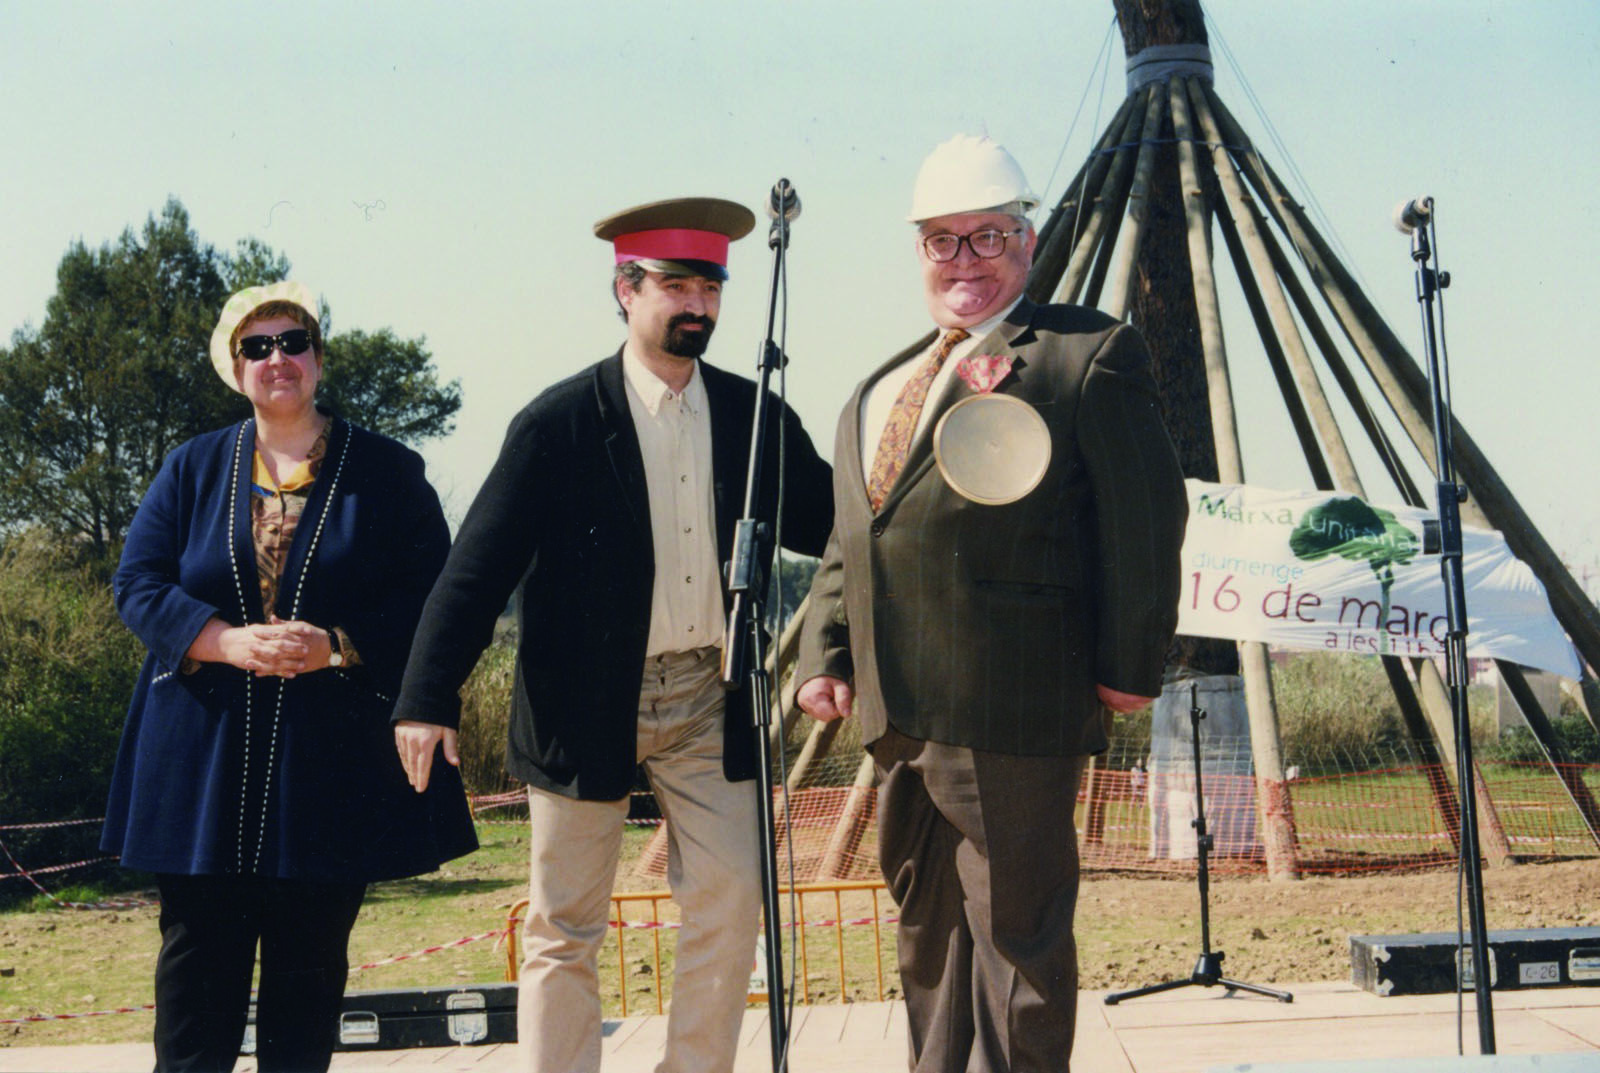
(1410, 215)
(783, 202)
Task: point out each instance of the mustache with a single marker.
(689, 318)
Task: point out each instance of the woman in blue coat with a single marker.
(275, 570)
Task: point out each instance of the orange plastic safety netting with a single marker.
(1346, 817)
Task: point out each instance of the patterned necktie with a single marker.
(902, 424)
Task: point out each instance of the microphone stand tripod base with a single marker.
(1207, 973)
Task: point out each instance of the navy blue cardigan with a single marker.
(220, 772)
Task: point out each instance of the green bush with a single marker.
(1574, 733)
(485, 713)
(1331, 702)
(1339, 705)
(67, 668)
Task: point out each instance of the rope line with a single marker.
(1101, 57)
(673, 925)
(498, 933)
(1323, 220)
(29, 876)
(49, 824)
(50, 869)
(1113, 149)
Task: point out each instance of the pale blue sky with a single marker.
(436, 168)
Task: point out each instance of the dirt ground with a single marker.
(1133, 931)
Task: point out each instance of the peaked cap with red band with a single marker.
(685, 236)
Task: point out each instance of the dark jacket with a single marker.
(990, 626)
(221, 772)
(565, 515)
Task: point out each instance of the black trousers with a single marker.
(979, 851)
(210, 927)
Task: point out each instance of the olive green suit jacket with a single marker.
(990, 626)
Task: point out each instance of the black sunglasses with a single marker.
(256, 347)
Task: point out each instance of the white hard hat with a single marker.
(968, 173)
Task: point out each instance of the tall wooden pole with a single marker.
(1130, 241)
(1102, 213)
(1172, 302)
(1060, 234)
(1277, 816)
(1160, 293)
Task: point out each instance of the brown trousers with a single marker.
(979, 850)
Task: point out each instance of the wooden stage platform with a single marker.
(1194, 1030)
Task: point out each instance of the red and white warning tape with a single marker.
(51, 823)
(54, 868)
(653, 925)
(29, 876)
(484, 802)
(38, 1017)
(512, 798)
(498, 933)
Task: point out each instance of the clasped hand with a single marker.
(276, 647)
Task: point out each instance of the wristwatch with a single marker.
(335, 653)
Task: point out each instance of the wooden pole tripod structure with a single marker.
(1174, 162)
(1134, 233)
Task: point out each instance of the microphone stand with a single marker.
(1207, 970)
(1430, 280)
(744, 649)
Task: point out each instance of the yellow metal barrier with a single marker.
(627, 916)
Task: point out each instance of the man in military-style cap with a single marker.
(612, 506)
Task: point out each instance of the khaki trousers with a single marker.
(713, 867)
(979, 850)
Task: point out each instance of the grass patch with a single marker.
(77, 961)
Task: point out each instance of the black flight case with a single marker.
(421, 1017)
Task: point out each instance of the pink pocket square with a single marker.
(982, 372)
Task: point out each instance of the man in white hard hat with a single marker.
(978, 642)
(609, 513)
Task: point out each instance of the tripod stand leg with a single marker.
(1140, 992)
(1256, 989)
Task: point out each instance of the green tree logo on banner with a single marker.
(1357, 532)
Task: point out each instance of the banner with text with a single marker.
(1324, 570)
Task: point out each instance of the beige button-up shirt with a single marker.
(686, 610)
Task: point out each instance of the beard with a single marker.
(682, 344)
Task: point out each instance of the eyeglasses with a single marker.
(987, 244)
(256, 347)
